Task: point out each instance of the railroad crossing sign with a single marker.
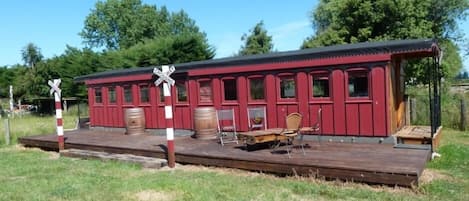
(55, 86)
(164, 75)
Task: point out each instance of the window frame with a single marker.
(282, 76)
(249, 78)
(100, 89)
(222, 82)
(358, 71)
(210, 82)
(109, 95)
(140, 86)
(313, 74)
(160, 94)
(124, 102)
(185, 83)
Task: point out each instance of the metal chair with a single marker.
(226, 124)
(293, 123)
(257, 118)
(315, 128)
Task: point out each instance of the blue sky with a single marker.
(52, 24)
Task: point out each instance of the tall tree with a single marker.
(31, 55)
(352, 21)
(257, 42)
(120, 24)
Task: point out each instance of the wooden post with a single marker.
(7, 131)
(164, 76)
(413, 111)
(462, 126)
(11, 101)
(407, 110)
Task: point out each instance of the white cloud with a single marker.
(227, 44)
(285, 30)
(290, 36)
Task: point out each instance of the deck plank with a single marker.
(371, 163)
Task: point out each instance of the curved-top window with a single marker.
(111, 94)
(144, 94)
(287, 87)
(205, 91)
(320, 86)
(230, 91)
(127, 94)
(98, 95)
(256, 88)
(181, 91)
(358, 84)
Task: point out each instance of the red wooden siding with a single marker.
(338, 93)
(341, 114)
(380, 111)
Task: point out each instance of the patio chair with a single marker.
(257, 118)
(226, 124)
(316, 127)
(293, 123)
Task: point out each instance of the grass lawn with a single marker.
(31, 174)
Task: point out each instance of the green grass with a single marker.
(27, 125)
(30, 174)
(36, 175)
(455, 164)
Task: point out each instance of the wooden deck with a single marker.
(370, 163)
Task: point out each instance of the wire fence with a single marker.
(454, 111)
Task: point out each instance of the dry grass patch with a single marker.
(429, 175)
(151, 195)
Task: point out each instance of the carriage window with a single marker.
(161, 93)
(112, 94)
(97, 95)
(358, 84)
(205, 91)
(320, 86)
(230, 92)
(287, 87)
(144, 94)
(256, 86)
(181, 91)
(128, 94)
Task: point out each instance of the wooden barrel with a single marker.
(134, 121)
(205, 123)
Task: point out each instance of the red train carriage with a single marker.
(359, 88)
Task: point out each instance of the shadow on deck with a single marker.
(369, 163)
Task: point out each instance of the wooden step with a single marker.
(147, 162)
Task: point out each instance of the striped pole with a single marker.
(58, 111)
(168, 110)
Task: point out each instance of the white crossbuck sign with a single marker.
(164, 76)
(54, 86)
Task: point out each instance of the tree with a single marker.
(31, 55)
(258, 42)
(120, 24)
(352, 21)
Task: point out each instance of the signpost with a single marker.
(164, 76)
(58, 110)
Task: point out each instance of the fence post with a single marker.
(413, 110)
(407, 110)
(462, 126)
(7, 131)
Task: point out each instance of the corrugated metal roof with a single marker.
(365, 48)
